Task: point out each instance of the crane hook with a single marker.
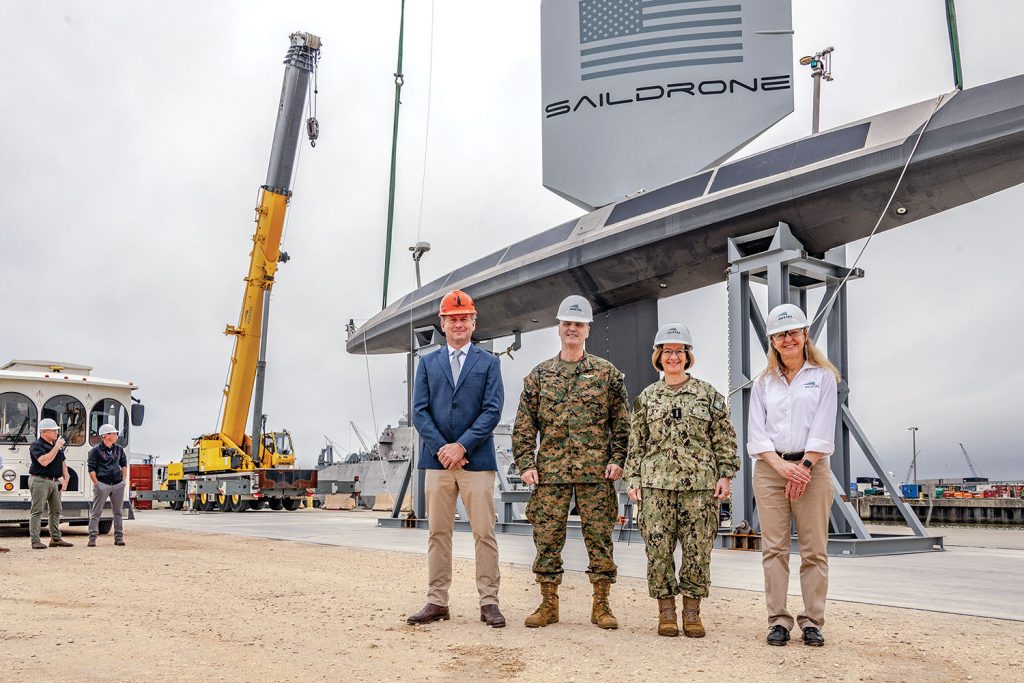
(312, 130)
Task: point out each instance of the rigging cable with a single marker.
(376, 430)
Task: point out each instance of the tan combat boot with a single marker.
(547, 613)
(667, 624)
(692, 627)
(601, 612)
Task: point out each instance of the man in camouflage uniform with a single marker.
(682, 456)
(578, 405)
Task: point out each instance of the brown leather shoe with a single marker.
(5, 550)
(60, 543)
(38, 545)
(492, 616)
(429, 613)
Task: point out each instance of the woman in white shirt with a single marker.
(791, 433)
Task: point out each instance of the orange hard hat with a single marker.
(457, 302)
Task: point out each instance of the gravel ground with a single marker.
(175, 605)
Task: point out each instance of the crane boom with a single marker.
(249, 351)
(970, 463)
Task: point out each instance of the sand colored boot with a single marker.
(667, 624)
(601, 612)
(692, 626)
(547, 613)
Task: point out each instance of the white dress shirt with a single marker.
(795, 416)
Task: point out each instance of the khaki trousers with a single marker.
(811, 514)
(443, 488)
(44, 492)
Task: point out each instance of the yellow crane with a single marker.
(230, 468)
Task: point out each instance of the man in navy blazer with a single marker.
(456, 405)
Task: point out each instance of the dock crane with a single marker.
(970, 463)
(910, 467)
(230, 468)
(362, 438)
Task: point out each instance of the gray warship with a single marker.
(379, 469)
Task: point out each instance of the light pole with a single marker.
(418, 250)
(821, 67)
(913, 437)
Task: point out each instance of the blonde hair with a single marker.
(811, 354)
(656, 358)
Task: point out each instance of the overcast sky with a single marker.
(135, 135)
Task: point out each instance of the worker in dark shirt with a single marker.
(108, 469)
(48, 467)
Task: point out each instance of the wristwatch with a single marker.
(808, 464)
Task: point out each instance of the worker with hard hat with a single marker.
(108, 470)
(457, 402)
(791, 432)
(577, 404)
(682, 458)
(48, 476)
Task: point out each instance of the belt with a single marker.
(795, 456)
(110, 483)
(39, 476)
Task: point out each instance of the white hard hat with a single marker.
(784, 318)
(673, 333)
(575, 309)
(48, 424)
(107, 429)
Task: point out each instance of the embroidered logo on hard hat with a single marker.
(575, 307)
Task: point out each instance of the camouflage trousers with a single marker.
(691, 517)
(548, 512)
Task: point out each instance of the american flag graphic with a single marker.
(626, 36)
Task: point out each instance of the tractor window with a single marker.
(108, 411)
(17, 418)
(70, 416)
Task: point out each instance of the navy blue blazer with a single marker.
(466, 413)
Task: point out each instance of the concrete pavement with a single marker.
(979, 580)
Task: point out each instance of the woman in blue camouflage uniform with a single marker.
(682, 457)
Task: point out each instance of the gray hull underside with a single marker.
(830, 189)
